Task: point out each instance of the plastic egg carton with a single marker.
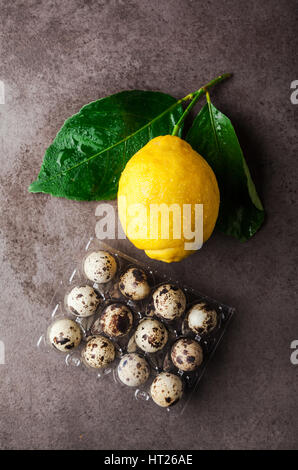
(109, 293)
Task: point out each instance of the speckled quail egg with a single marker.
(166, 389)
(133, 370)
(65, 334)
(151, 335)
(169, 301)
(187, 354)
(98, 352)
(134, 284)
(202, 319)
(100, 266)
(83, 301)
(116, 320)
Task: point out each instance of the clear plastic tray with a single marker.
(110, 293)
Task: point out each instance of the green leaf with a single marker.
(212, 135)
(90, 151)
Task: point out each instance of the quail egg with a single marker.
(133, 370)
(98, 352)
(202, 319)
(116, 320)
(151, 335)
(187, 354)
(100, 266)
(166, 389)
(169, 301)
(83, 301)
(134, 284)
(65, 334)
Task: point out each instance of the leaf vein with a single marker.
(172, 107)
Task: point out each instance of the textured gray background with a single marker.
(57, 56)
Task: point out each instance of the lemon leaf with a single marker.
(212, 134)
(90, 151)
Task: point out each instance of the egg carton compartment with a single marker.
(116, 318)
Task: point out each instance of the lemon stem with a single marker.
(194, 97)
(208, 97)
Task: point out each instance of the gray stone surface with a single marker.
(57, 56)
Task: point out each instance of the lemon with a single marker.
(166, 173)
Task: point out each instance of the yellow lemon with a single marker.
(158, 197)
